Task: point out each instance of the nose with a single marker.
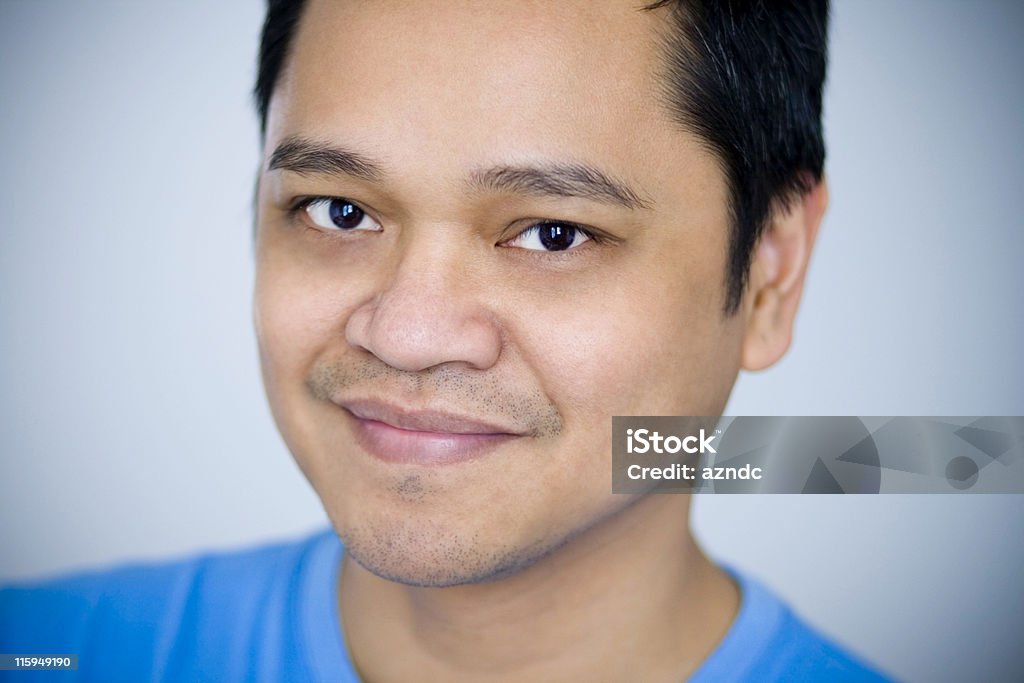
(428, 312)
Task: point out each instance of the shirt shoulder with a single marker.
(218, 616)
(769, 642)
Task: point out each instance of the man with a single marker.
(482, 231)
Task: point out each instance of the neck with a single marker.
(632, 598)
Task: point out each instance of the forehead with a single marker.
(571, 75)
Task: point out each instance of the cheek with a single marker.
(661, 347)
(296, 317)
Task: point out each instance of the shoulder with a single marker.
(148, 616)
(769, 642)
(801, 653)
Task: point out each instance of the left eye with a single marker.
(550, 236)
(338, 213)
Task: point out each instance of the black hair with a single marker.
(745, 76)
(278, 30)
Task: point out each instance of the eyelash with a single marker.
(591, 234)
(301, 204)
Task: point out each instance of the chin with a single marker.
(421, 554)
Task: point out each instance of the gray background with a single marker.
(132, 419)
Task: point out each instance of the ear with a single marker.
(776, 281)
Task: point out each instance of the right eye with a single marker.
(338, 213)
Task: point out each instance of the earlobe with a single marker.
(777, 273)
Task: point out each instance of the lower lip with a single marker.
(404, 446)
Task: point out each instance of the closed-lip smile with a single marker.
(395, 434)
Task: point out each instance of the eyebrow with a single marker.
(559, 180)
(309, 157)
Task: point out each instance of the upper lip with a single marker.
(438, 421)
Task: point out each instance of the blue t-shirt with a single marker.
(270, 614)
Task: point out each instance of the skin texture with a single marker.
(499, 567)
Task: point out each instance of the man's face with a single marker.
(444, 370)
